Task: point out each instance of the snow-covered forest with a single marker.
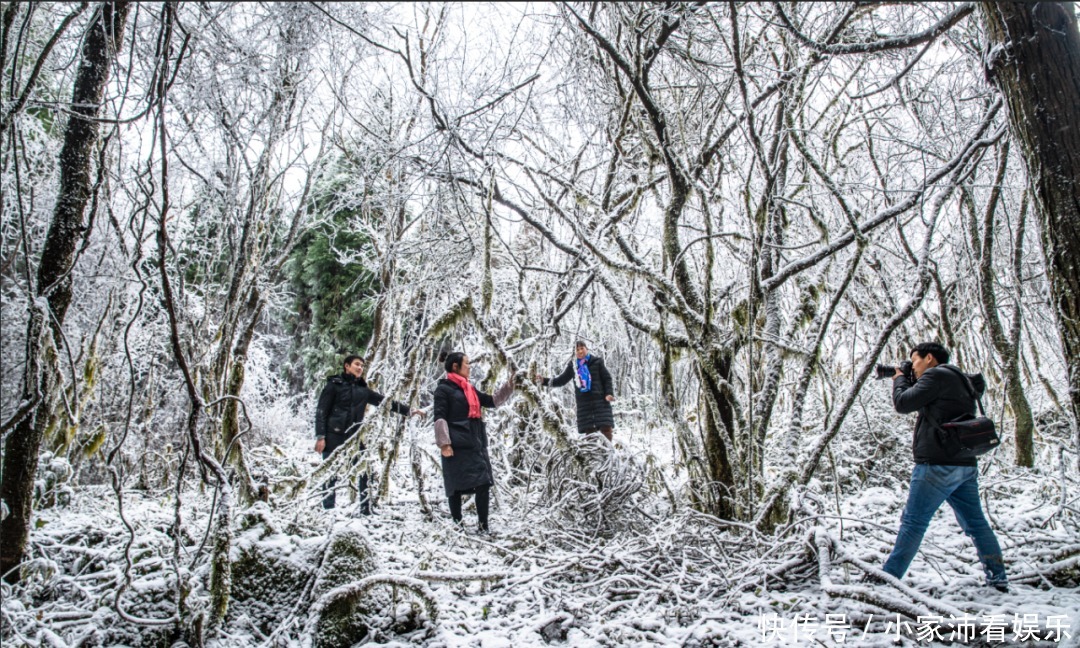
(743, 208)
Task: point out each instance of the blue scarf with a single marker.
(583, 375)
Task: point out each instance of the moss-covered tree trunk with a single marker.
(1007, 345)
(231, 448)
(1034, 59)
(720, 436)
(54, 280)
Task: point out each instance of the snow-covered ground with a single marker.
(654, 577)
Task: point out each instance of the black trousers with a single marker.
(330, 495)
(483, 499)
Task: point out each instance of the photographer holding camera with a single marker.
(939, 393)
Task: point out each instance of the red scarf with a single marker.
(470, 393)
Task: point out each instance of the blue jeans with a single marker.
(930, 487)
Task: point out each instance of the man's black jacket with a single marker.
(341, 408)
(941, 393)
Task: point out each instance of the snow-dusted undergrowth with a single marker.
(559, 570)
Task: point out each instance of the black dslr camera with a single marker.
(888, 371)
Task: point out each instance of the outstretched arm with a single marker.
(400, 408)
(501, 395)
(374, 398)
(566, 376)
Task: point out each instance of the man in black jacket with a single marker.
(940, 395)
(593, 390)
(338, 415)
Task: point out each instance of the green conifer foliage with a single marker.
(334, 294)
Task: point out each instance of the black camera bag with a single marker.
(968, 436)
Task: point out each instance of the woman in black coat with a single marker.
(462, 437)
(593, 390)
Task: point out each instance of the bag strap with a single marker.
(933, 422)
(938, 431)
(967, 384)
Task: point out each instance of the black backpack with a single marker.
(969, 436)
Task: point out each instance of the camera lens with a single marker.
(885, 371)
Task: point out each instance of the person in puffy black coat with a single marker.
(940, 394)
(338, 415)
(593, 390)
(462, 437)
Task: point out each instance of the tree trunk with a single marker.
(1006, 344)
(720, 430)
(103, 39)
(1035, 61)
(230, 445)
